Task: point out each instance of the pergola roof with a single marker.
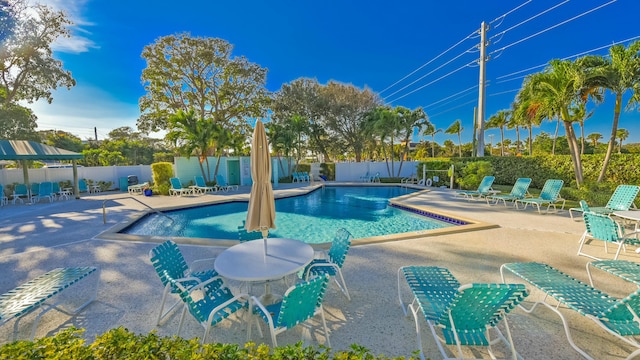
(31, 150)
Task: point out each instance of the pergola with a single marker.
(23, 150)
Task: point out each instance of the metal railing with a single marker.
(104, 208)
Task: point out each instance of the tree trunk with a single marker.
(530, 140)
(459, 145)
(518, 139)
(555, 138)
(502, 141)
(433, 146)
(612, 139)
(582, 137)
(573, 150)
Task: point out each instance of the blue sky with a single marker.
(374, 44)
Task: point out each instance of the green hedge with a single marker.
(622, 169)
(120, 343)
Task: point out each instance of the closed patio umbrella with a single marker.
(261, 213)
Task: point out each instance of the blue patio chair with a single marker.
(20, 191)
(34, 190)
(621, 200)
(45, 191)
(602, 227)
(300, 303)
(170, 265)
(550, 195)
(82, 186)
(332, 265)
(366, 177)
(375, 178)
(519, 191)
(484, 189)
(177, 189)
(4, 200)
(462, 314)
(222, 183)
(215, 303)
(202, 186)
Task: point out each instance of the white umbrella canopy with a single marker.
(261, 213)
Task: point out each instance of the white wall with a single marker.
(353, 171)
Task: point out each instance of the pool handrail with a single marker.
(104, 209)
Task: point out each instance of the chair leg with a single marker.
(324, 325)
(342, 287)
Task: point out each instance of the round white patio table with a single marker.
(246, 262)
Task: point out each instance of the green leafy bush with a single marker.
(473, 173)
(161, 173)
(120, 343)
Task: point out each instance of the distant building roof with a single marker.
(31, 150)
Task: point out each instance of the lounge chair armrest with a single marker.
(196, 263)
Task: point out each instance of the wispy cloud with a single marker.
(80, 40)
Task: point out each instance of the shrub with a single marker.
(473, 173)
(161, 173)
(120, 343)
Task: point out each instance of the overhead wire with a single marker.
(429, 73)
(529, 19)
(553, 27)
(429, 62)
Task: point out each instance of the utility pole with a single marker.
(481, 90)
(95, 133)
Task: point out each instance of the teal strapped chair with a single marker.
(20, 191)
(618, 317)
(332, 265)
(300, 303)
(602, 227)
(171, 267)
(4, 200)
(45, 191)
(519, 191)
(484, 189)
(621, 200)
(463, 314)
(550, 195)
(201, 185)
(215, 302)
(177, 189)
(222, 183)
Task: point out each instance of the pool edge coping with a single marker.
(472, 225)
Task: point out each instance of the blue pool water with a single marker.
(314, 217)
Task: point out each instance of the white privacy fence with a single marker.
(99, 173)
(236, 171)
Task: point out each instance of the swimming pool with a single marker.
(314, 217)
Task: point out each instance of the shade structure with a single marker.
(261, 213)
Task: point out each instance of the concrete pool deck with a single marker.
(37, 238)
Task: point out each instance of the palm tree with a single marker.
(499, 121)
(430, 130)
(558, 87)
(594, 138)
(193, 136)
(621, 134)
(409, 123)
(621, 74)
(579, 114)
(456, 128)
(527, 112)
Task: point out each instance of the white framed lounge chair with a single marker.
(177, 189)
(484, 189)
(622, 199)
(202, 187)
(222, 183)
(519, 191)
(550, 196)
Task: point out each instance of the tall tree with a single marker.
(498, 121)
(430, 130)
(346, 107)
(579, 114)
(621, 134)
(456, 128)
(620, 75)
(185, 73)
(560, 86)
(28, 71)
(594, 138)
(193, 136)
(410, 122)
(17, 123)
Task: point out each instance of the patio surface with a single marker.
(37, 238)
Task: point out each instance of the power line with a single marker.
(529, 19)
(554, 26)
(429, 73)
(510, 11)
(438, 79)
(565, 58)
(428, 62)
(450, 96)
